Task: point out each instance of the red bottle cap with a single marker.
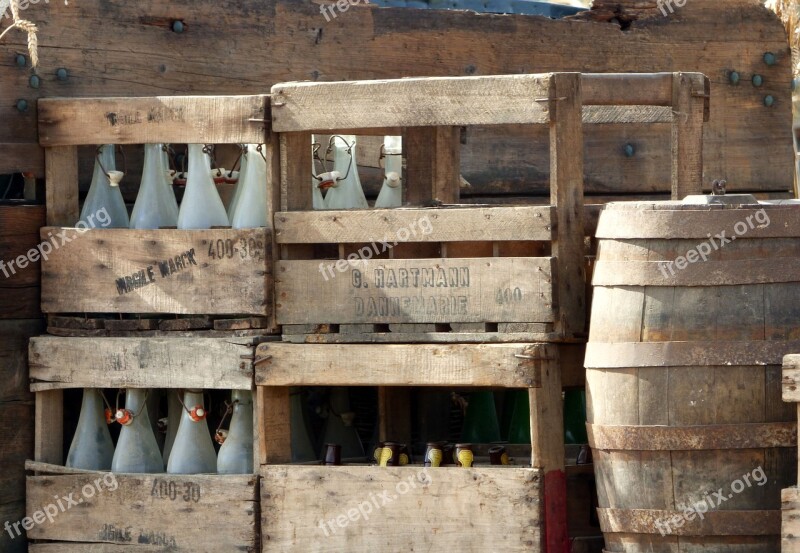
(198, 413)
(124, 417)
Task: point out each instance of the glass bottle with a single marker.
(346, 193)
(152, 209)
(201, 207)
(137, 450)
(236, 453)
(250, 210)
(193, 452)
(174, 410)
(391, 194)
(104, 195)
(302, 448)
(480, 421)
(91, 448)
(237, 190)
(339, 427)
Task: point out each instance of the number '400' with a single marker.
(504, 296)
(168, 489)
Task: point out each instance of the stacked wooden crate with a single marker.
(192, 327)
(485, 296)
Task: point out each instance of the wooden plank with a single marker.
(566, 194)
(140, 363)
(156, 271)
(622, 89)
(298, 503)
(274, 428)
(687, 135)
(433, 166)
(598, 115)
(22, 158)
(427, 290)
(48, 427)
(295, 171)
(170, 119)
(420, 225)
(423, 338)
(61, 192)
(501, 365)
(149, 510)
(640, 221)
(414, 102)
(790, 520)
(17, 432)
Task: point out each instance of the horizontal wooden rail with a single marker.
(170, 119)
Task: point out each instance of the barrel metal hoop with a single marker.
(636, 222)
(692, 438)
(626, 355)
(678, 523)
(711, 272)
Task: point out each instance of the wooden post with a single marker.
(547, 453)
(274, 425)
(273, 154)
(566, 193)
(689, 101)
(295, 164)
(433, 164)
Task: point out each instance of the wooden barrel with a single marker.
(693, 309)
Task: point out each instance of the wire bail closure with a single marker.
(327, 179)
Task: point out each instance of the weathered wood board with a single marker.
(173, 512)
(703, 35)
(19, 285)
(214, 272)
(444, 290)
(790, 520)
(508, 365)
(219, 363)
(308, 508)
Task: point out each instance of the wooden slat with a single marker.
(61, 190)
(170, 119)
(216, 271)
(598, 115)
(295, 171)
(711, 272)
(713, 523)
(416, 102)
(687, 354)
(415, 291)
(150, 510)
(274, 428)
(687, 136)
(479, 509)
(566, 194)
(140, 363)
(48, 427)
(641, 221)
(421, 225)
(422, 337)
(790, 520)
(433, 165)
(692, 438)
(620, 89)
(502, 365)
(791, 378)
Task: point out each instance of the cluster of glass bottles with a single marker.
(341, 187)
(156, 205)
(188, 446)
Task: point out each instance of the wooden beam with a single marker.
(469, 224)
(625, 89)
(48, 427)
(431, 102)
(501, 365)
(295, 167)
(171, 119)
(689, 105)
(566, 193)
(433, 165)
(61, 185)
(274, 428)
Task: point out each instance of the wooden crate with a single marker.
(482, 508)
(221, 272)
(207, 512)
(490, 271)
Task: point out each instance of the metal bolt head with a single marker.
(20, 60)
(733, 77)
(758, 80)
(178, 26)
(62, 74)
(769, 100)
(34, 81)
(769, 58)
(630, 151)
(22, 105)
